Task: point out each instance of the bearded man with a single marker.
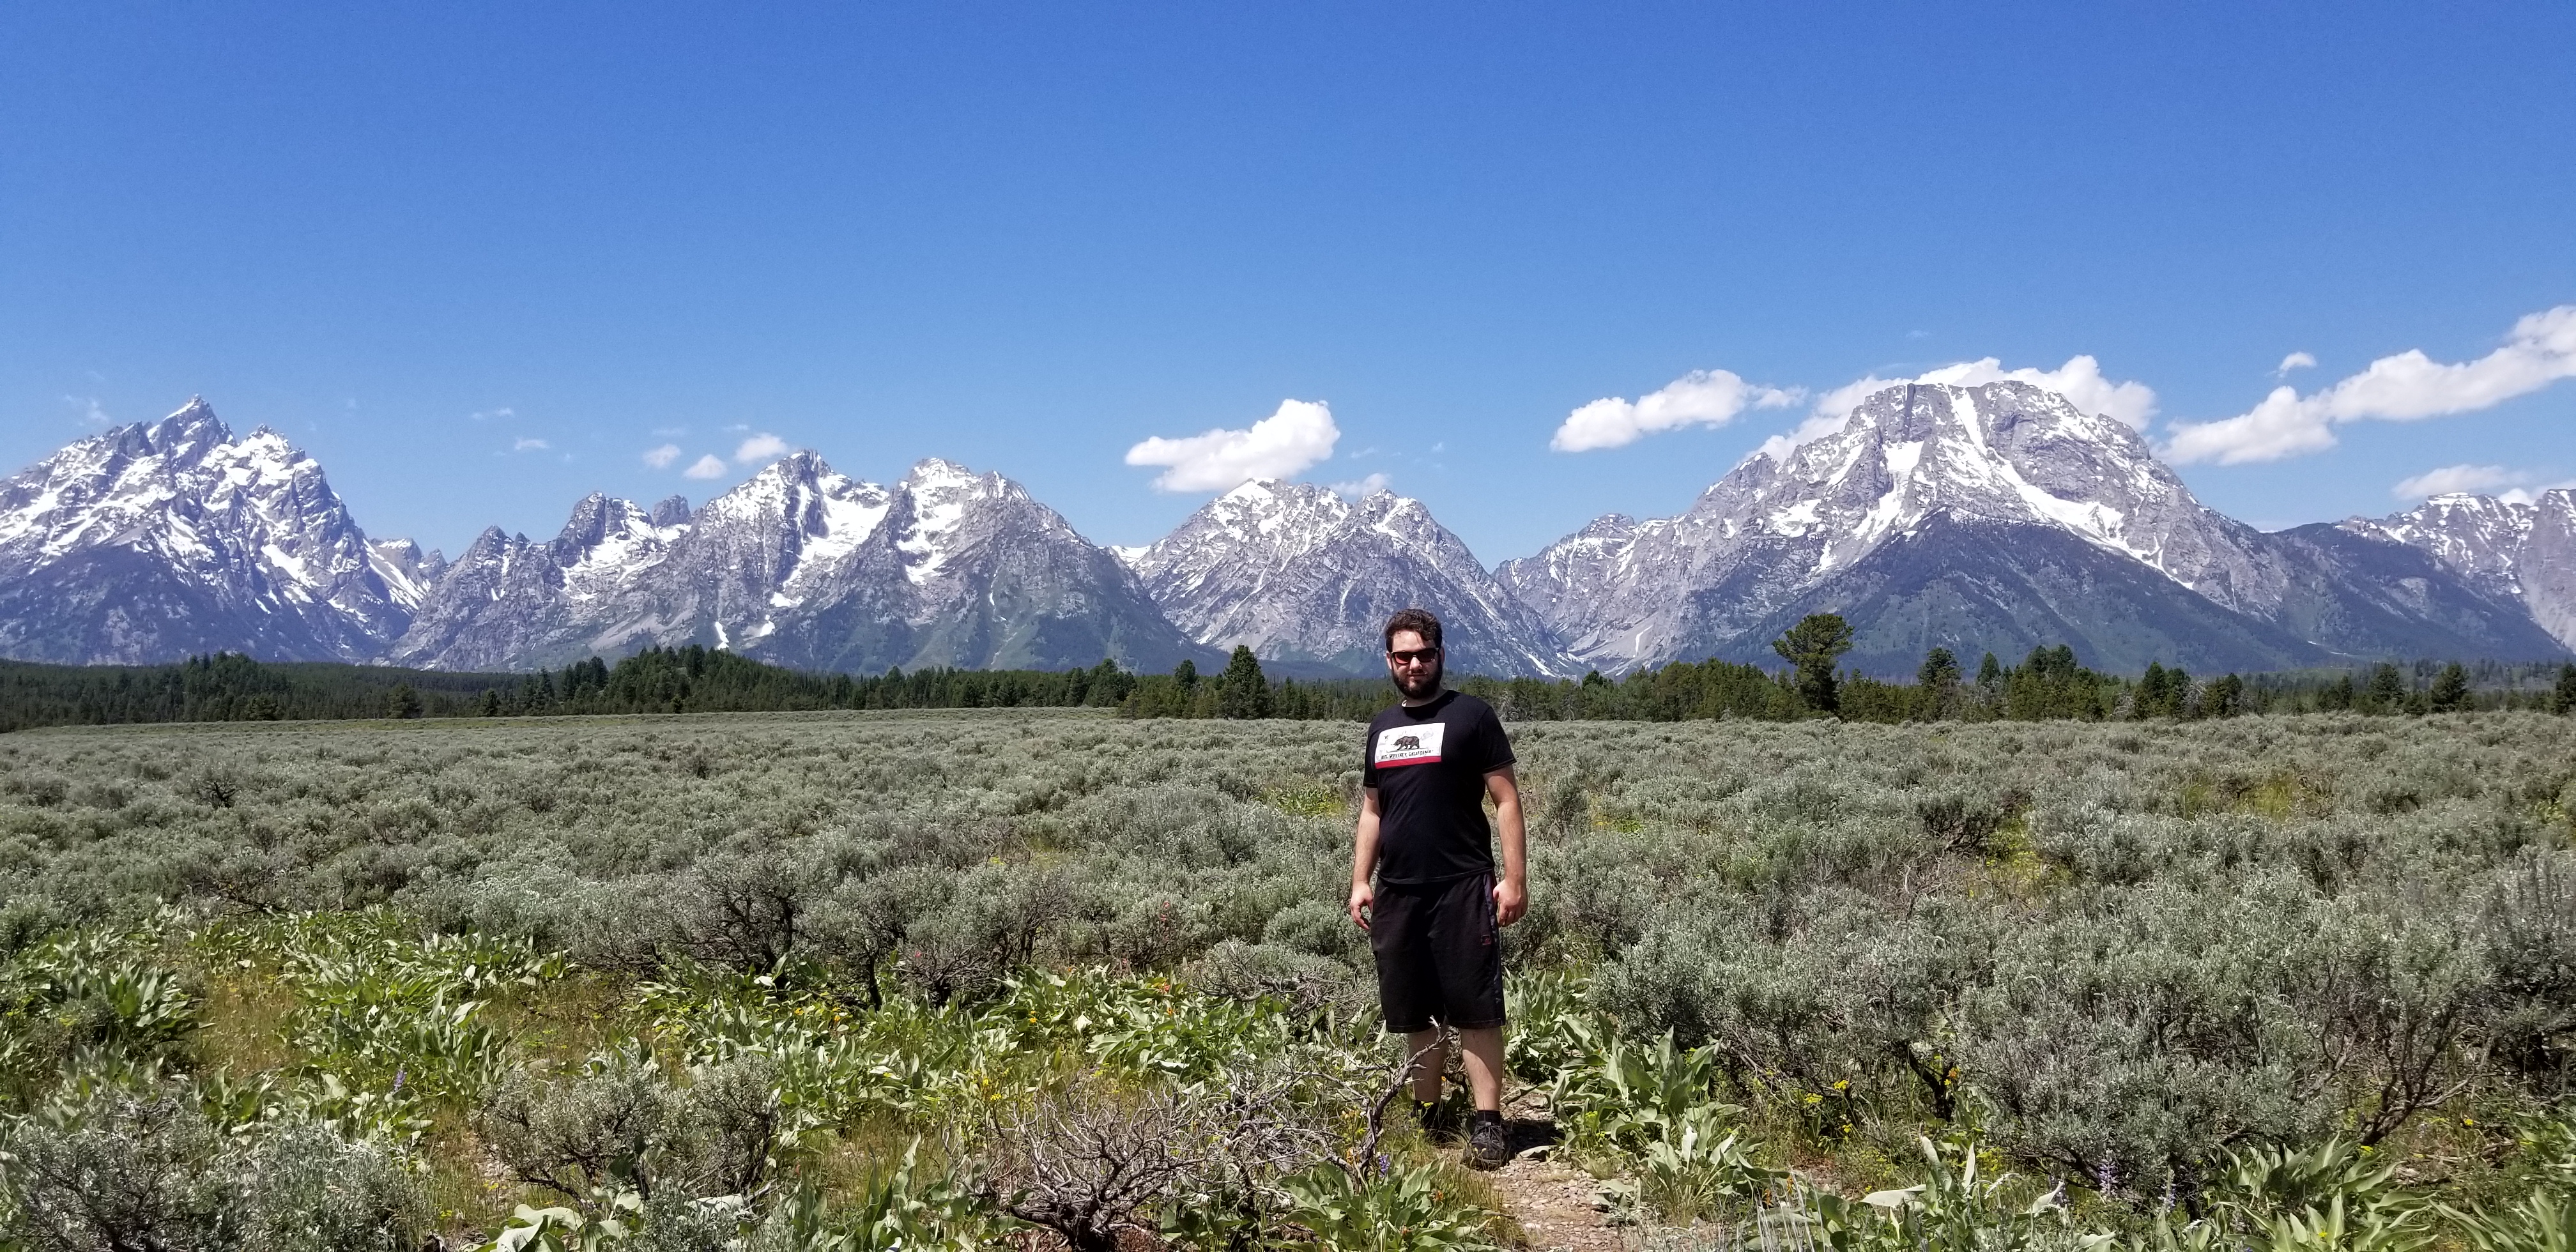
(1422, 875)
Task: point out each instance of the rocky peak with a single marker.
(1298, 574)
(2480, 536)
(200, 532)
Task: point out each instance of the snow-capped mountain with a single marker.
(2522, 550)
(801, 566)
(1299, 574)
(969, 570)
(507, 603)
(1997, 516)
(148, 543)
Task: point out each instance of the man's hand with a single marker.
(1363, 898)
(1510, 901)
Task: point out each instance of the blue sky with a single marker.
(423, 240)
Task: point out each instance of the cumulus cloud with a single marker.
(1368, 486)
(2294, 361)
(1698, 398)
(1301, 433)
(760, 447)
(2409, 386)
(529, 445)
(708, 466)
(2080, 380)
(2456, 478)
(2525, 495)
(661, 457)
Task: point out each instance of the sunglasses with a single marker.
(1421, 656)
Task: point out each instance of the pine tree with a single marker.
(2337, 697)
(1814, 645)
(1937, 682)
(1186, 674)
(2387, 689)
(2451, 690)
(402, 702)
(1242, 692)
(2562, 700)
(2224, 697)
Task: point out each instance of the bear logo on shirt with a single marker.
(1410, 746)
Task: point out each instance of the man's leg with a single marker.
(1426, 1066)
(1483, 1049)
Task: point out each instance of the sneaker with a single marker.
(1487, 1146)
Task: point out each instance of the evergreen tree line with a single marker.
(2048, 684)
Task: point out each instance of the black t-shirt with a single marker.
(1428, 764)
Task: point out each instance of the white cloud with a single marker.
(708, 466)
(1698, 398)
(2080, 380)
(666, 432)
(92, 412)
(735, 428)
(661, 457)
(2525, 495)
(1300, 434)
(760, 447)
(529, 445)
(2455, 478)
(2294, 361)
(488, 414)
(2409, 386)
(1368, 486)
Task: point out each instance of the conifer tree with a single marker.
(1814, 645)
(1938, 680)
(2562, 700)
(1242, 692)
(2387, 689)
(402, 702)
(2451, 690)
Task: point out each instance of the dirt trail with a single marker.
(1556, 1204)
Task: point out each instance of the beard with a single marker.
(1422, 685)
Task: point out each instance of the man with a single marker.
(1428, 765)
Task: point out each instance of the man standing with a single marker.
(1432, 914)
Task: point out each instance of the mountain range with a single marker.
(1997, 517)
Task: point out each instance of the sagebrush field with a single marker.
(877, 980)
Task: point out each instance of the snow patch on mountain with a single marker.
(1297, 573)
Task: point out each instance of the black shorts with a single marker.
(1437, 955)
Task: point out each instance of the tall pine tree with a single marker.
(1242, 692)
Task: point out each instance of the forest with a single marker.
(1061, 978)
(2049, 683)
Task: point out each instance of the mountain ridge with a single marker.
(1999, 516)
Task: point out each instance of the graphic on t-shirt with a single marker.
(1410, 745)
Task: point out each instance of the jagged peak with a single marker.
(672, 510)
(191, 423)
(932, 471)
(595, 515)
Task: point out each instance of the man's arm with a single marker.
(1511, 895)
(1364, 858)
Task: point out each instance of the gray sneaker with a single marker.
(1487, 1146)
